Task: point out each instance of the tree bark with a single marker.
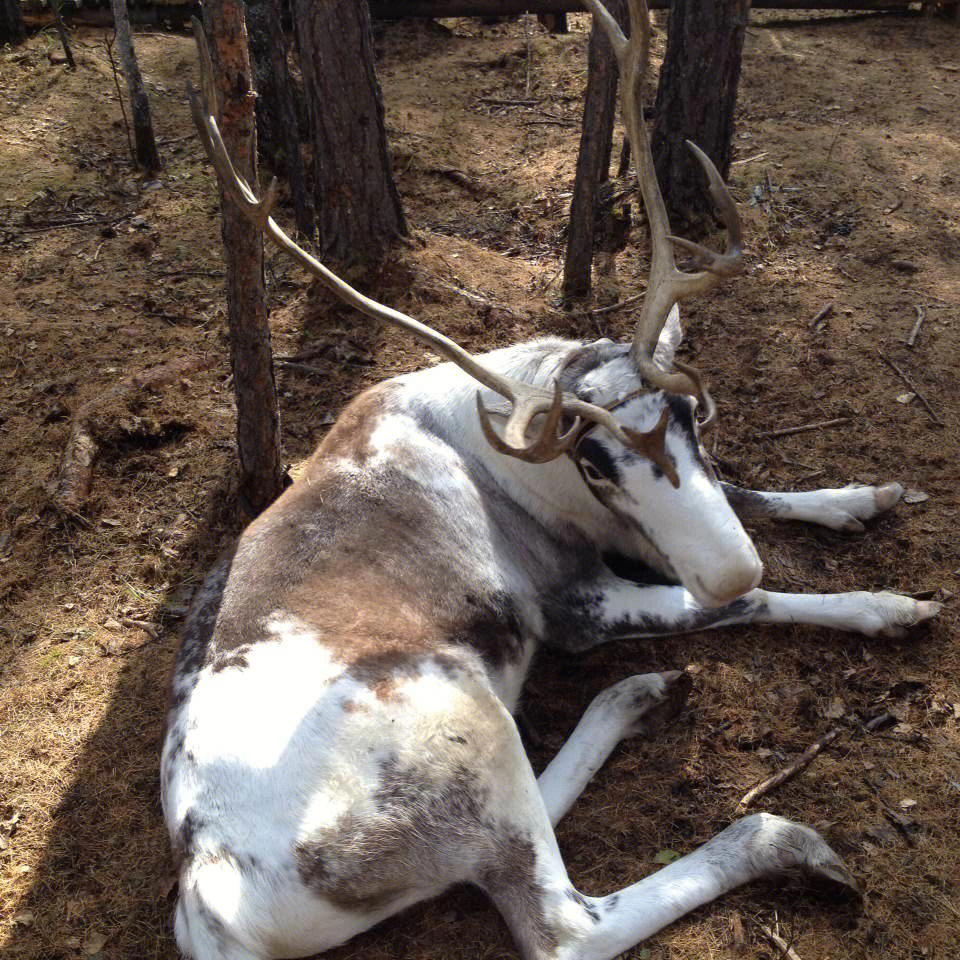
(12, 27)
(358, 207)
(696, 100)
(145, 146)
(258, 416)
(278, 127)
(593, 160)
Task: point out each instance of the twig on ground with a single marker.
(619, 305)
(790, 770)
(901, 825)
(785, 949)
(495, 102)
(896, 205)
(560, 121)
(803, 428)
(912, 386)
(302, 355)
(39, 226)
(821, 315)
(303, 368)
(915, 329)
(478, 299)
(459, 178)
(758, 156)
(880, 720)
(150, 629)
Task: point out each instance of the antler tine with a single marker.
(668, 285)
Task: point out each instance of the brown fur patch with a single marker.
(350, 436)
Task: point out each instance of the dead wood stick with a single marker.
(303, 368)
(912, 386)
(785, 949)
(478, 299)
(459, 178)
(74, 478)
(803, 428)
(559, 121)
(880, 720)
(493, 101)
(915, 329)
(619, 305)
(817, 320)
(790, 770)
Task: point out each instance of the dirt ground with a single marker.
(847, 158)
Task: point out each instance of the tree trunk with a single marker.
(593, 160)
(12, 27)
(696, 99)
(278, 127)
(144, 144)
(358, 207)
(258, 416)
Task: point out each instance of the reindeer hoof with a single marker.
(783, 846)
(887, 495)
(642, 704)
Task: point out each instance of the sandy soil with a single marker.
(847, 159)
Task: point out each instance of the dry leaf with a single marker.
(915, 496)
(94, 942)
(836, 709)
(907, 803)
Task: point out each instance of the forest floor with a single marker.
(847, 169)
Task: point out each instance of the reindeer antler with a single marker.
(667, 285)
(527, 401)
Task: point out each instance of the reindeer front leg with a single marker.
(840, 508)
(611, 608)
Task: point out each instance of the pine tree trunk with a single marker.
(696, 100)
(593, 160)
(12, 27)
(145, 146)
(358, 207)
(258, 417)
(278, 127)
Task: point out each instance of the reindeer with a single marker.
(340, 741)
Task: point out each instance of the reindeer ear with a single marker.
(670, 338)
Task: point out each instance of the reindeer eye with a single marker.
(591, 473)
(596, 463)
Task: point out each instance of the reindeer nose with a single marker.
(729, 581)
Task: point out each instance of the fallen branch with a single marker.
(915, 330)
(74, 477)
(880, 720)
(302, 368)
(756, 156)
(785, 949)
(460, 179)
(803, 428)
(477, 299)
(559, 121)
(619, 305)
(912, 386)
(821, 315)
(493, 101)
(790, 770)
